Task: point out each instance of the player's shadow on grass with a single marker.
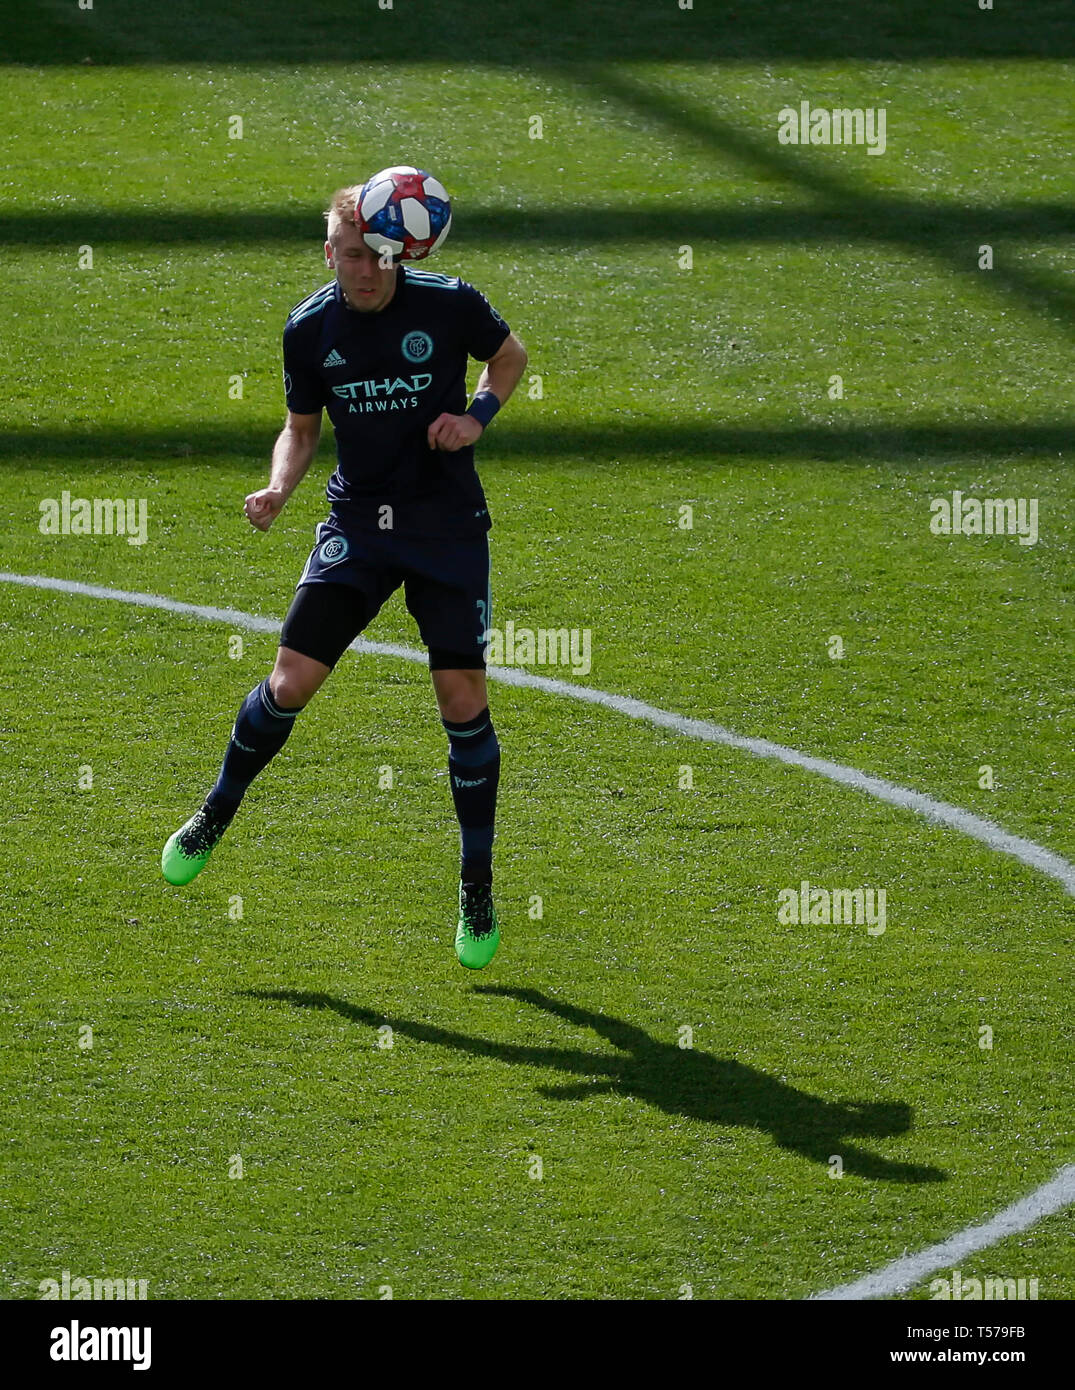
(680, 1081)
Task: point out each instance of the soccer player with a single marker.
(383, 348)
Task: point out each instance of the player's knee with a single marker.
(457, 710)
(460, 694)
(290, 693)
(295, 679)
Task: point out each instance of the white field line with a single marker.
(903, 1273)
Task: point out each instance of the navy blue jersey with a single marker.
(384, 378)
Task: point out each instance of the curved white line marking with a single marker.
(903, 1273)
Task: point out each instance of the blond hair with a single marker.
(342, 206)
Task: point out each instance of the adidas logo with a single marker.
(334, 360)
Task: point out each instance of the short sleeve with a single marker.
(304, 389)
(484, 329)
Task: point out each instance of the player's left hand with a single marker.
(451, 432)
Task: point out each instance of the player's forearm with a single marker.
(501, 374)
(291, 456)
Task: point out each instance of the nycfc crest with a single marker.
(335, 548)
(417, 346)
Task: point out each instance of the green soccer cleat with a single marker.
(478, 933)
(187, 852)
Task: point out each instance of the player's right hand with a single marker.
(263, 507)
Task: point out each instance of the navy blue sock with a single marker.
(261, 730)
(474, 772)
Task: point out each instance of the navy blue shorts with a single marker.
(350, 574)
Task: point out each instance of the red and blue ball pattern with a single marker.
(405, 211)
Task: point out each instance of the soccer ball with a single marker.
(405, 211)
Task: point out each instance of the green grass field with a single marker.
(243, 1017)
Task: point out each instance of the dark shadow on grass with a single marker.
(928, 444)
(358, 33)
(957, 225)
(682, 1082)
(951, 236)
